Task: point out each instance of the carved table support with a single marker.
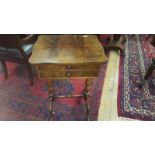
(51, 98)
(88, 84)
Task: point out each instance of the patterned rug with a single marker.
(134, 102)
(19, 101)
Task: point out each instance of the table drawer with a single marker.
(67, 74)
(64, 67)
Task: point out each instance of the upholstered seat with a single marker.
(14, 52)
(27, 48)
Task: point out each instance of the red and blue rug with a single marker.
(20, 101)
(134, 102)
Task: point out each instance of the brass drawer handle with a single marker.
(68, 74)
(69, 66)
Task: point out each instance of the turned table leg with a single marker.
(88, 84)
(51, 97)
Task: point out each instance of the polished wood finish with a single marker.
(67, 70)
(67, 49)
(14, 41)
(67, 56)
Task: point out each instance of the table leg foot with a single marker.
(85, 96)
(51, 117)
(88, 84)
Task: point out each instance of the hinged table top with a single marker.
(63, 49)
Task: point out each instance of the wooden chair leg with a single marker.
(148, 73)
(4, 67)
(29, 69)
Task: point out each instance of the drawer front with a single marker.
(67, 74)
(64, 67)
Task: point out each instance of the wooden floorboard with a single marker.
(108, 105)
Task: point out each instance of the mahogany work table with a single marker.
(67, 56)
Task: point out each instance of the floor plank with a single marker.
(108, 106)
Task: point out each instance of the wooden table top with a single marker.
(63, 49)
